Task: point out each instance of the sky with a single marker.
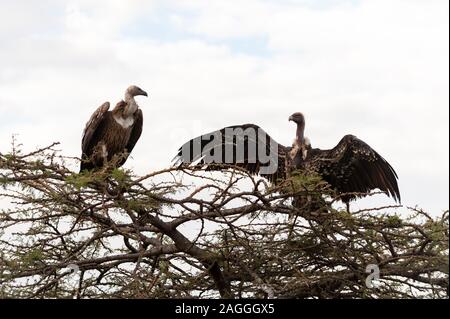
(375, 69)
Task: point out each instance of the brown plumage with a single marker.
(200, 147)
(350, 167)
(109, 134)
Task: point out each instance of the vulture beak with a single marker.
(143, 93)
(291, 118)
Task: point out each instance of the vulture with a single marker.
(112, 134)
(352, 167)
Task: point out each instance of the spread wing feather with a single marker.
(354, 167)
(236, 146)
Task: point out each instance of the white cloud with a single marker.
(377, 69)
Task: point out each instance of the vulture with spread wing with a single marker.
(112, 133)
(352, 167)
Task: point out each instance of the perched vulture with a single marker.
(351, 166)
(112, 133)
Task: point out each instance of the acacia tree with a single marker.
(111, 234)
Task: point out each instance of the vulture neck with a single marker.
(301, 144)
(300, 135)
(131, 105)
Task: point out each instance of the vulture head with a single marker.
(297, 118)
(130, 105)
(300, 138)
(133, 90)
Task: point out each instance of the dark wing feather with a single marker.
(89, 136)
(135, 134)
(353, 166)
(90, 133)
(261, 154)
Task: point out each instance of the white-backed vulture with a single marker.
(352, 168)
(112, 133)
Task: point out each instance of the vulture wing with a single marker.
(246, 146)
(90, 136)
(135, 134)
(353, 166)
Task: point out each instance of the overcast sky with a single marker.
(378, 69)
